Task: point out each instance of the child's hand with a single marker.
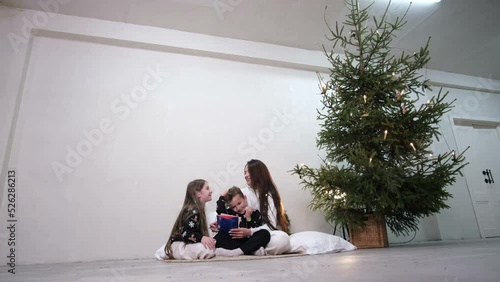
(248, 212)
(208, 242)
(214, 227)
(239, 233)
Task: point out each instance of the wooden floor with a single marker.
(439, 261)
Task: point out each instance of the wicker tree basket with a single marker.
(374, 235)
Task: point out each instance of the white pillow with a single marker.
(313, 242)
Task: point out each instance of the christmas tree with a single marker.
(377, 132)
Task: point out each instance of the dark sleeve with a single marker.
(191, 230)
(221, 205)
(255, 222)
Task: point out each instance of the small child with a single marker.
(248, 238)
(189, 238)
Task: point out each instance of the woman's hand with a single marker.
(214, 227)
(208, 242)
(239, 233)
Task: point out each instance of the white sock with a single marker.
(260, 252)
(228, 253)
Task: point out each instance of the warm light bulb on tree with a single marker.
(413, 146)
(385, 134)
(323, 88)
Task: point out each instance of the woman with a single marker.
(263, 195)
(189, 238)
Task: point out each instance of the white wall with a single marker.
(474, 99)
(209, 105)
(122, 162)
(459, 221)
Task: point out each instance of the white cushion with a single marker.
(160, 253)
(313, 242)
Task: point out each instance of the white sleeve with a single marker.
(252, 199)
(271, 211)
(253, 202)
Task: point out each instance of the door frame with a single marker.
(479, 124)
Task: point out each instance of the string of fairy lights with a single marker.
(325, 87)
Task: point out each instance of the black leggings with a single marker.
(249, 245)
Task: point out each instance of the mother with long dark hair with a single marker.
(262, 195)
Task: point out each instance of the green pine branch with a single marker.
(370, 123)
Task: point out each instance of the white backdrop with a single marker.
(108, 138)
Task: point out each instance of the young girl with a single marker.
(263, 195)
(189, 238)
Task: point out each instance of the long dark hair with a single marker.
(190, 203)
(263, 184)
